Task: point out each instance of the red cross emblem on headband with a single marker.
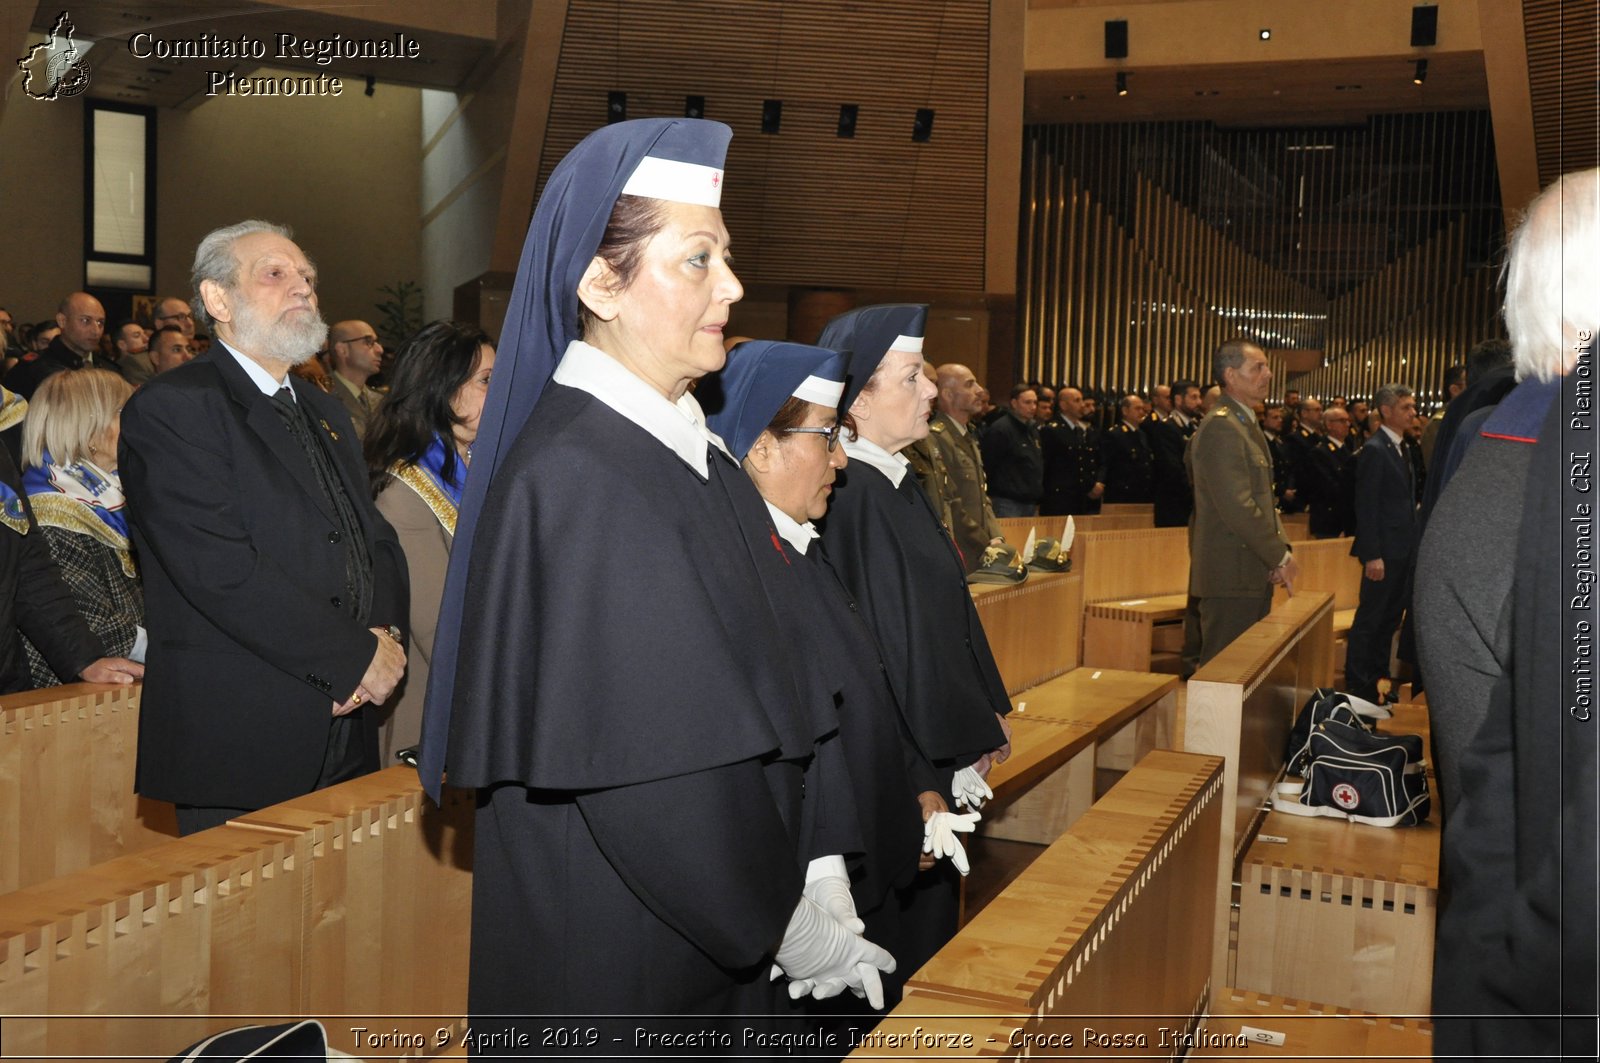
(716, 179)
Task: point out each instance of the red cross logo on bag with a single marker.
(1346, 796)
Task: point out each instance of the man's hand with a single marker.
(1001, 755)
(112, 670)
(382, 676)
(930, 802)
(1374, 570)
(1288, 572)
(1097, 490)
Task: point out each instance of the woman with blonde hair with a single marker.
(69, 473)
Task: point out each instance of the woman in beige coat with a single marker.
(419, 447)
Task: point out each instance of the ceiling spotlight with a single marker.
(1266, 35)
(1122, 83)
(1421, 74)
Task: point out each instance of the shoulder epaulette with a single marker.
(936, 426)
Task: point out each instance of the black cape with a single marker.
(623, 679)
(903, 570)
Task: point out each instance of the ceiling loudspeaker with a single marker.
(1117, 38)
(771, 116)
(616, 107)
(1424, 26)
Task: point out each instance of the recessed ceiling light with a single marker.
(1266, 35)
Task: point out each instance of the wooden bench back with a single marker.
(1034, 628)
(1117, 565)
(352, 901)
(1241, 705)
(1105, 922)
(66, 782)
(1327, 565)
(1016, 529)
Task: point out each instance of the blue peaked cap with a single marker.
(758, 379)
(868, 333)
(541, 319)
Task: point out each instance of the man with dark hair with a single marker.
(1045, 411)
(1174, 498)
(1358, 422)
(133, 359)
(1455, 382)
(273, 586)
(1284, 487)
(1237, 546)
(1012, 459)
(169, 349)
(1386, 534)
(1126, 463)
(1071, 459)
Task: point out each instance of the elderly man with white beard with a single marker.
(272, 585)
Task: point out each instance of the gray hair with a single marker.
(1390, 394)
(215, 261)
(1553, 276)
(1230, 356)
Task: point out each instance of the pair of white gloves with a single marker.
(940, 829)
(823, 950)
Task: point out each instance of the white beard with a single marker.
(293, 342)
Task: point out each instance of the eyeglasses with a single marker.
(368, 340)
(181, 315)
(831, 433)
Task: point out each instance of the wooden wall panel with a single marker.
(806, 206)
(1145, 245)
(1564, 79)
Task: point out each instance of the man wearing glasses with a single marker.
(173, 311)
(83, 321)
(356, 355)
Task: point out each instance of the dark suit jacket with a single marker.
(1386, 508)
(250, 642)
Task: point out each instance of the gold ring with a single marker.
(355, 699)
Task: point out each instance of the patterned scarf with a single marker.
(94, 493)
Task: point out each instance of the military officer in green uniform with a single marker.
(1237, 546)
(972, 519)
(927, 464)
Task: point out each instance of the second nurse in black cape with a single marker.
(608, 670)
(905, 573)
(779, 417)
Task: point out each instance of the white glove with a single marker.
(969, 789)
(828, 884)
(939, 836)
(823, 958)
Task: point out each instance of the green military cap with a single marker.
(1001, 564)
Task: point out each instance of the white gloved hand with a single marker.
(828, 884)
(939, 836)
(969, 788)
(823, 958)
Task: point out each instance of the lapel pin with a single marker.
(328, 429)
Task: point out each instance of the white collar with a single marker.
(891, 465)
(258, 376)
(680, 427)
(1394, 437)
(794, 533)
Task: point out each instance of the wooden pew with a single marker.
(1241, 705)
(1015, 529)
(1141, 510)
(66, 782)
(1061, 733)
(1358, 902)
(1327, 565)
(1135, 587)
(354, 901)
(1296, 526)
(1103, 932)
(1033, 627)
(1309, 1031)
